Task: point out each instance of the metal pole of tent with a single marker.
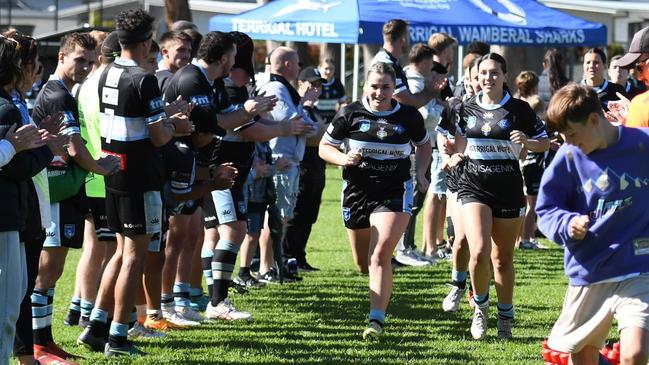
(355, 82)
(460, 57)
(342, 63)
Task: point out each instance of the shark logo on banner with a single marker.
(312, 5)
(515, 15)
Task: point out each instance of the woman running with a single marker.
(496, 127)
(377, 190)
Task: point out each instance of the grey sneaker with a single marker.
(505, 328)
(479, 324)
(249, 282)
(452, 301)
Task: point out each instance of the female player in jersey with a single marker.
(377, 192)
(496, 127)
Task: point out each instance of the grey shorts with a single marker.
(437, 174)
(287, 186)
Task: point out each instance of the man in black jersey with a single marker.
(68, 200)
(175, 50)
(332, 97)
(201, 83)
(133, 124)
(395, 44)
(595, 77)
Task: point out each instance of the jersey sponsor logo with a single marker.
(384, 167)
(504, 124)
(490, 169)
(492, 149)
(200, 100)
(226, 212)
(50, 234)
(132, 225)
(346, 214)
(471, 122)
(155, 220)
(109, 96)
(156, 104)
(365, 125)
(69, 230)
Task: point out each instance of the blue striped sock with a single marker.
(481, 300)
(206, 262)
(377, 315)
(86, 308)
(75, 304)
(181, 295)
(505, 310)
(225, 255)
(195, 293)
(99, 315)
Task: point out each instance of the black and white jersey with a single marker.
(163, 75)
(383, 138)
(233, 147)
(55, 98)
(608, 92)
(492, 169)
(130, 101)
(402, 80)
(333, 92)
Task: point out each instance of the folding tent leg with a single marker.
(342, 63)
(458, 62)
(355, 83)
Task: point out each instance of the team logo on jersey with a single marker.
(486, 129)
(504, 124)
(346, 214)
(364, 125)
(488, 115)
(471, 122)
(382, 133)
(68, 117)
(68, 230)
(399, 129)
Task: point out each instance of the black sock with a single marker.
(117, 341)
(459, 284)
(244, 272)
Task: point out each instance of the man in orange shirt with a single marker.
(636, 113)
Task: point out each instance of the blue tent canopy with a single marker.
(502, 22)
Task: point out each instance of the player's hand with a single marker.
(224, 176)
(618, 110)
(578, 227)
(455, 160)
(283, 164)
(184, 126)
(108, 165)
(422, 183)
(448, 148)
(436, 83)
(518, 137)
(24, 138)
(57, 143)
(260, 104)
(296, 127)
(53, 123)
(353, 158)
(311, 96)
(178, 106)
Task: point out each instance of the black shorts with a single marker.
(359, 203)
(225, 206)
(453, 177)
(68, 221)
(134, 213)
(498, 210)
(98, 214)
(532, 174)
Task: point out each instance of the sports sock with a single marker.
(86, 308)
(459, 278)
(225, 255)
(505, 311)
(132, 318)
(377, 316)
(154, 313)
(195, 294)
(181, 294)
(117, 335)
(42, 315)
(167, 302)
(75, 305)
(481, 300)
(206, 260)
(98, 322)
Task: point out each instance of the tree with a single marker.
(177, 10)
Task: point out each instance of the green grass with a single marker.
(320, 320)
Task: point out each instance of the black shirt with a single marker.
(130, 101)
(384, 139)
(163, 76)
(608, 92)
(492, 169)
(333, 92)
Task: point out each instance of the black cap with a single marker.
(310, 74)
(639, 45)
(245, 50)
(111, 48)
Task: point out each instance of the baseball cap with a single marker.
(245, 49)
(639, 45)
(310, 74)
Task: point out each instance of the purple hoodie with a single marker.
(612, 187)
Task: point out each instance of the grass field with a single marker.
(320, 320)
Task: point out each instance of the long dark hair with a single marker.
(499, 60)
(555, 69)
(10, 73)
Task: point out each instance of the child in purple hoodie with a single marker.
(594, 201)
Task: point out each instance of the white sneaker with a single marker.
(190, 314)
(407, 257)
(139, 331)
(175, 318)
(452, 301)
(225, 310)
(479, 324)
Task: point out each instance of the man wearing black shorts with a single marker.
(68, 199)
(133, 124)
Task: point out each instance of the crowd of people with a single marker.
(164, 160)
